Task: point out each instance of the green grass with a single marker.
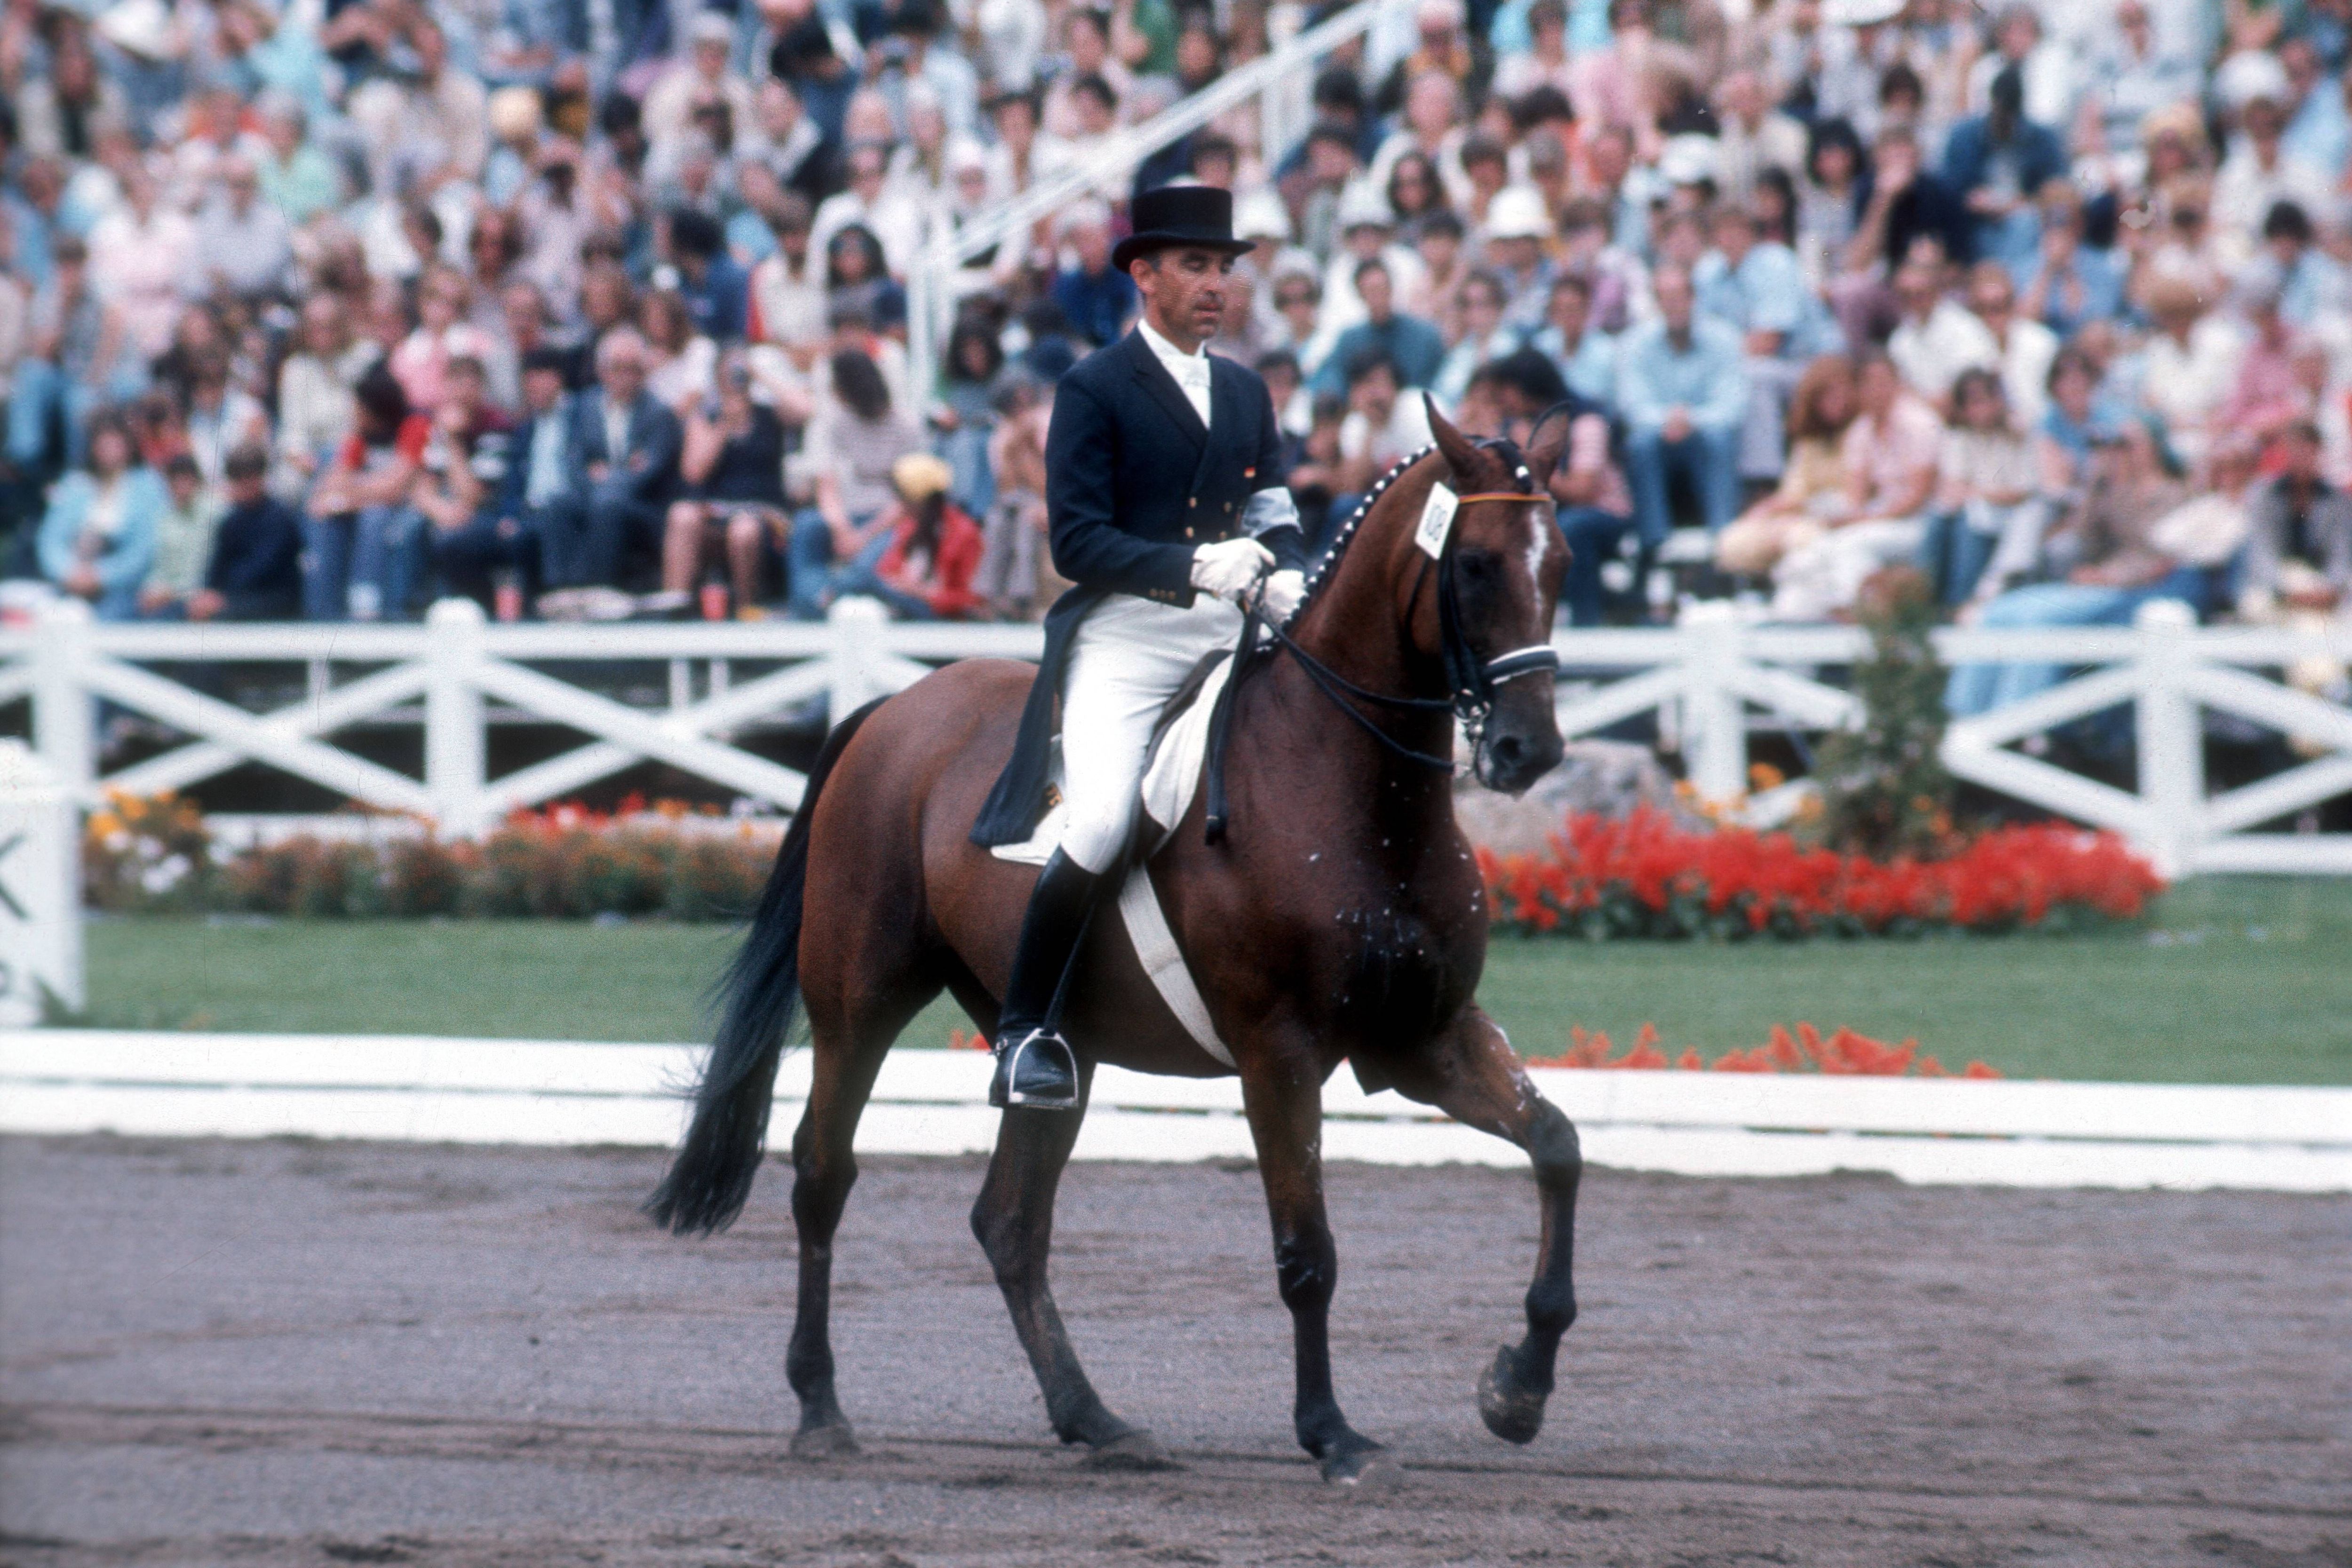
(2236, 980)
(2233, 981)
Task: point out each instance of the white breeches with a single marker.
(1127, 660)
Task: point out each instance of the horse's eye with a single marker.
(1478, 566)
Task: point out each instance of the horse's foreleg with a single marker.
(1474, 1076)
(1013, 1220)
(824, 1171)
(1286, 1115)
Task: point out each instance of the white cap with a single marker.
(1517, 213)
(1687, 159)
(2250, 74)
(1860, 13)
(1364, 203)
(711, 27)
(1261, 216)
(142, 27)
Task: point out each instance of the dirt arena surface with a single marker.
(288, 1352)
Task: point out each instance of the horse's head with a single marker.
(1501, 566)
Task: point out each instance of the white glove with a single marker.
(1279, 599)
(1230, 568)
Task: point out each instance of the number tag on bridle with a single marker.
(1437, 522)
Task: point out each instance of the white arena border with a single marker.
(2006, 1134)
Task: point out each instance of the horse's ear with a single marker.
(1550, 442)
(1460, 455)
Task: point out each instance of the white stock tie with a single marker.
(1193, 375)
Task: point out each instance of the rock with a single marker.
(1605, 778)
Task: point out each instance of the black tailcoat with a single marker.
(1133, 485)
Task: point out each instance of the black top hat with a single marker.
(1181, 214)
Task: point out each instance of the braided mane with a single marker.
(1326, 563)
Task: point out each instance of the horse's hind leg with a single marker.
(1013, 1220)
(847, 1056)
(1475, 1077)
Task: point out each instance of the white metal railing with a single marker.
(1275, 78)
(1711, 685)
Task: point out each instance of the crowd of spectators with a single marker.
(598, 306)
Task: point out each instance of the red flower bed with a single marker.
(1846, 1053)
(1645, 876)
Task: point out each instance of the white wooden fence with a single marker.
(1712, 683)
(934, 1102)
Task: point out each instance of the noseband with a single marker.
(1471, 683)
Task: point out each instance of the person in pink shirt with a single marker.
(1890, 453)
(421, 363)
(2267, 396)
(140, 256)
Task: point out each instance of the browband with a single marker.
(1499, 495)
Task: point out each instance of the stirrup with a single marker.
(1038, 1072)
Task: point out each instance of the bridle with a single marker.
(1471, 683)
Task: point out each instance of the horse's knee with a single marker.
(1306, 1271)
(1554, 1149)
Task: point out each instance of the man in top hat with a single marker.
(1165, 507)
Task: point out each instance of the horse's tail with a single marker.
(712, 1174)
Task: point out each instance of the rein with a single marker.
(1471, 683)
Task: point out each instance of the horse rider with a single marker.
(1165, 507)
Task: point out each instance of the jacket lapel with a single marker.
(1164, 390)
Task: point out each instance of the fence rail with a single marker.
(936, 1102)
(1712, 686)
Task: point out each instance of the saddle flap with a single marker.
(1180, 746)
(1180, 739)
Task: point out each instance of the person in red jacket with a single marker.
(925, 571)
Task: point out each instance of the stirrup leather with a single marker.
(1038, 1072)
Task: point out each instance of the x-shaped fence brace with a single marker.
(287, 738)
(1710, 675)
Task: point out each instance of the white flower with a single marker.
(165, 874)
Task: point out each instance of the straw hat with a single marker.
(919, 475)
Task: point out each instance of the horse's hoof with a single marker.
(832, 1441)
(1367, 1467)
(1135, 1452)
(1511, 1413)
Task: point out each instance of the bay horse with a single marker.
(1341, 915)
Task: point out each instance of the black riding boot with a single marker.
(1035, 1065)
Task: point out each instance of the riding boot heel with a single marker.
(1034, 1064)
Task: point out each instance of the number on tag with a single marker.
(1437, 522)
